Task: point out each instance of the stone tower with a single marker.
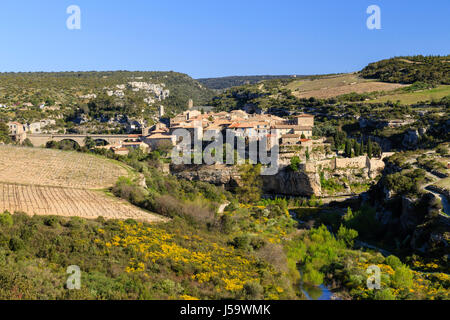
(161, 111)
(190, 104)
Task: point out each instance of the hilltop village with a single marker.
(309, 160)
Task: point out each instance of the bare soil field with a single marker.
(67, 202)
(51, 182)
(335, 86)
(47, 167)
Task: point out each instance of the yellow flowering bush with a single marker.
(209, 263)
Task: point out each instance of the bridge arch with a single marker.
(101, 142)
(42, 139)
(69, 144)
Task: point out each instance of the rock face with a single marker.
(411, 137)
(220, 175)
(286, 182)
(410, 218)
(416, 222)
(291, 183)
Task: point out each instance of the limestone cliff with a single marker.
(286, 182)
(291, 183)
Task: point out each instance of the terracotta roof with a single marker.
(304, 116)
(290, 136)
(131, 143)
(213, 127)
(241, 125)
(302, 128)
(159, 136)
(283, 126)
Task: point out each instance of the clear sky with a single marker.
(209, 38)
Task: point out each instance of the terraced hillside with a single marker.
(52, 182)
(334, 86)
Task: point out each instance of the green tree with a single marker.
(347, 235)
(4, 133)
(89, 142)
(249, 189)
(357, 149)
(369, 149)
(348, 148)
(402, 278)
(295, 163)
(27, 143)
(394, 262)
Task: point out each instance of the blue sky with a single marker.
(208, 38)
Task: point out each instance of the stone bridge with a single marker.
(41, 139)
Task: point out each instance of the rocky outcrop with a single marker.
(432, 236)
(221, 175)
(410, 218)
(286, 182)
(412, 136)
(290, 183)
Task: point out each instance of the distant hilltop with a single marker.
(234, 81)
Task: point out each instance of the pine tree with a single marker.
(357, 148)
(348, 148)
(369, 149)
(362, 146)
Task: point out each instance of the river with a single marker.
(317, 293)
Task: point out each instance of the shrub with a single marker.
(169, 287)
(168, 206)
(295, 163)
(275, 255)
(253, 290)
(51, 221)
(313, 276)
(347, 235)
(393, 261)
(6, 219)
(16, 244)
(402, 278)
(363, 220)
(75, 223)
(125, 189)
(241, 242)
(227, 224)
(385, 294)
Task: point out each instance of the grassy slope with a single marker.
(337, 85)
(415, 97)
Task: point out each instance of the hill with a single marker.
(407, 80)
(53, 182)
(429, 69)
(235, 81)
(333, 86)
(136, 94)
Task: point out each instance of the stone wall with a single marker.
(357, 162)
